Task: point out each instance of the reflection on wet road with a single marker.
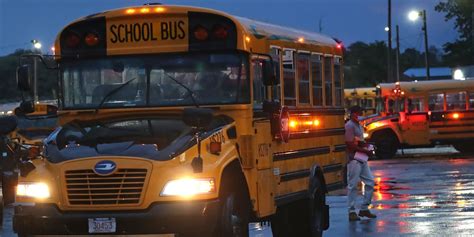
(431, 197)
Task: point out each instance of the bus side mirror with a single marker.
(23, 78)
(7, 124)
(268, 73)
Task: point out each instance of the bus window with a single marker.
(328, 80)
(338, 81)
(347, 103)
(289, 78)
(456, 101)
(435, 102)
(275, 54)
(471, 100)
(369, 103)
(416, 105)
(317, 77)
(258, 87)
(303, 76)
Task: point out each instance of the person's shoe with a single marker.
(367, 213)
(353, 216)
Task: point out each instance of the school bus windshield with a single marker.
(213, 78)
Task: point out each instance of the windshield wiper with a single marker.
(112, 92)
(190, 92)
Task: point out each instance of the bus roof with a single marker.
(252, 36)
(360, 92)
(420, 87)
(276, 32)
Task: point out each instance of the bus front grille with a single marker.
(124, 187)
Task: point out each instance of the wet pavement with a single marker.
(422, 196)
(432, 195)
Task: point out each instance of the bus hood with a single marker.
(151, 138)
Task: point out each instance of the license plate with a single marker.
(102, 225)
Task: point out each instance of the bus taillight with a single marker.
(220, 32)
(72, 40)
(91, 39)
(200, 33)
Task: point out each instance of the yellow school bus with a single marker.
(364, 97)
(188, 121)
(423, 114)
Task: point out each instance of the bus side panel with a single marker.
(266, 191)
(266, 180)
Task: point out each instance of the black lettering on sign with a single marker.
(181, 33)
(145, 32)
(164, 31)
(152, 37)
(121, 34)
(173, 29)
(138, 32)
(114, 38)
(218, 137)
(129, 33)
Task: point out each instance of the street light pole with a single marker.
(36, 45)
(389, 42)
(425, 30)
(398, 54)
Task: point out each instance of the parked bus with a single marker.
(423, 114)
(187, 121)
(364, 97)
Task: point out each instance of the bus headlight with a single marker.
(366, 135)
(33, 190)
(188, 187)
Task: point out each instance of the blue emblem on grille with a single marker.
(105, 167)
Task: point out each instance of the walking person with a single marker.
(357, 169)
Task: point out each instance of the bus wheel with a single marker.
(465, 148)
(300, 218)
(281, 225)
(234, 221)
(318, 210)
(387, 145)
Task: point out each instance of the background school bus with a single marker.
(421, 114)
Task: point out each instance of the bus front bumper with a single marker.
(196, 218)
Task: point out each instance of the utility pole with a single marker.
(425, 30)
(389, 49)
(398, 54)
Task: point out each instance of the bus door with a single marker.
(414, 122)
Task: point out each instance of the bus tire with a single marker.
(281, 222)
(235, 203)
(386, 143)
(299, 218)
(465, 148)
(318, 208)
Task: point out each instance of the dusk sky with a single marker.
(349, 20)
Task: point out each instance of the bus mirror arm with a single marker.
(197, 162)
(198, 119)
